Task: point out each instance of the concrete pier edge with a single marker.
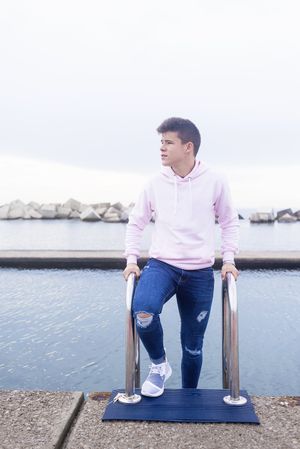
(62, 430)
(114, 259)
(38, 419)
(65, 420)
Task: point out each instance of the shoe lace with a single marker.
(157, 369)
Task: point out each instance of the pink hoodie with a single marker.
(184, 210)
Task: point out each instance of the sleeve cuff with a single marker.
(228, 257)
(131, 259)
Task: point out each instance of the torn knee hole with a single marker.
(193, 352)
(143, 315)
(144, 319)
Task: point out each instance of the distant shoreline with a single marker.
(110, 213)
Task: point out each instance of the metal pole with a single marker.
(225, 336)
(137, 360)
(132, 349)
(231, 378)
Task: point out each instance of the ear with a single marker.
(189, 147)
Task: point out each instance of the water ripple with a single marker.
(64, 330)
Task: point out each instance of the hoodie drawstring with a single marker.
(176, 195)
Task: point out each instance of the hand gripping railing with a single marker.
(132, 350)
(230, 342)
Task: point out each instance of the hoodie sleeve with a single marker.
(229, 222)
(139, 217)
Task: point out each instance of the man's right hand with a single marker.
(131, 268)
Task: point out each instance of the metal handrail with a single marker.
(132, 359)
(230, 350)
(229, 346)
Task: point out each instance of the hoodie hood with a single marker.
(198, 170)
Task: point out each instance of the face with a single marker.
(172, 150)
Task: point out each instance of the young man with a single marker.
(184, 199)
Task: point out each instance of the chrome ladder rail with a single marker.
(229, 345)
(132, 359)
(230, 351)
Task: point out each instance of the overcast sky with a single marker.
(84, 85)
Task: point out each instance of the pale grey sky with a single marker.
(86, 83)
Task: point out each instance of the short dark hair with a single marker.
(186, 130)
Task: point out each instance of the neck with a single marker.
(184, 168)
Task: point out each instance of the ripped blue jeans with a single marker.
(194, 292)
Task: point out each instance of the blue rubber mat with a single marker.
(184, 405)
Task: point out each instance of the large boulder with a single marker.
(101, 211)
(287, 218)
(34, 205)
(74, 214)
(73, 204)
(117, 213)
(124, 217)
(33, 213)
(63, 212)
(83, 207)
(30, 212)
(17, 203)
(280, 213)
(112, 215)
(48, 211)
(119, 206)
(16, 213)
(16, 210)
(26, 214)
(127, 211)
(297, 214)
(89, 214)
(4, 211)
(100, 205)
(262, 217)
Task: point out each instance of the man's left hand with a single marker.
(229, 268)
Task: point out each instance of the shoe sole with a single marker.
(159, 393)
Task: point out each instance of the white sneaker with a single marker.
(155, 382)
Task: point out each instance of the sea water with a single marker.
(64, 330)
(75, 234)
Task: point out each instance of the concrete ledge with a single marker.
(68, 416)
(279, 429)
(36, 419)
(41, 419)
(76, 259)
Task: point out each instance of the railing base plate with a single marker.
(230, 401)
(182, 405)
(134, 399)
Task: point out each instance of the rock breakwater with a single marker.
(71, 209)
(282, 216)
(109, 213)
